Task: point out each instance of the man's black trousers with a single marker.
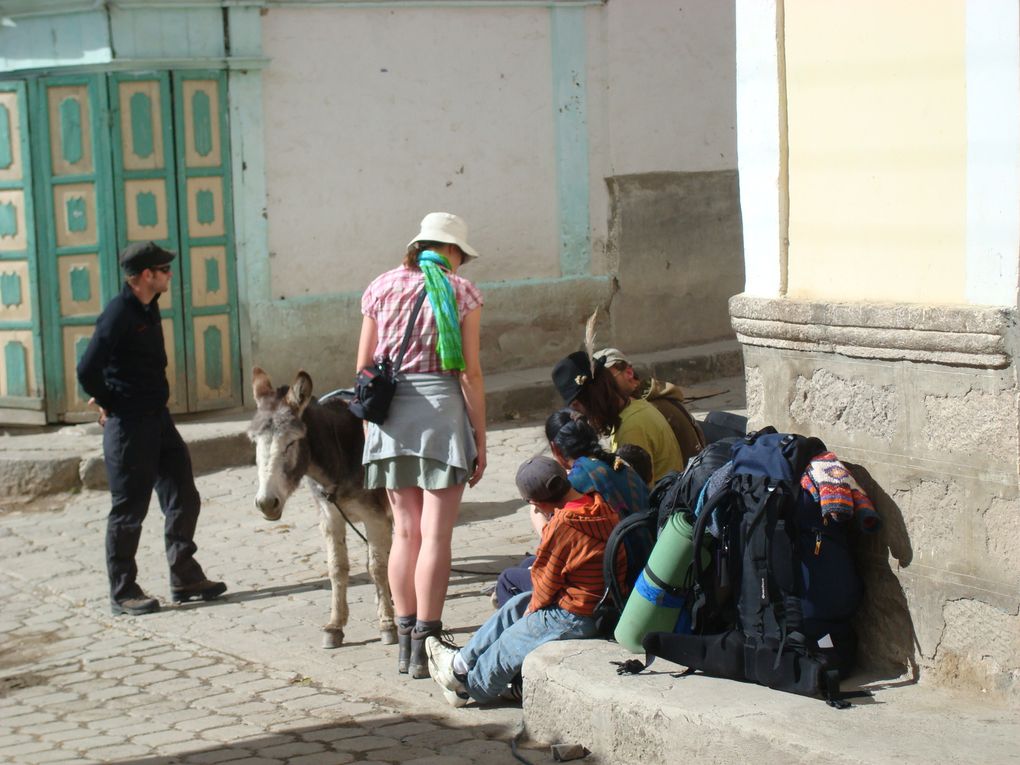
(143, 452)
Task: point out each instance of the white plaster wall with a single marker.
(993, 156)
(758, 121)
(671, 91)
(375, 117)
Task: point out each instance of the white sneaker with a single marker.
(441, 669)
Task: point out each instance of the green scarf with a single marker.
(444, 308)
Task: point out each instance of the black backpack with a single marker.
(747, 606)
(678, 492)
(636, 533)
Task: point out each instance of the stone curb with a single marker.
(573, 693)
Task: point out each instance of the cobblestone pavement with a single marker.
(240, 680)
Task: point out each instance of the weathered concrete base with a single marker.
(924, 402)
(660, 717)
(676, 245)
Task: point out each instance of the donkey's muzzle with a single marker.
(270, 507)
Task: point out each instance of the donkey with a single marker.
(297, 437)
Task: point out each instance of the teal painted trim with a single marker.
(15, 359)
(57, 41)
(67, 180)
(212, 275)
(206, 210)
(10, 290)
(108, 282)
(70, 131)
(77, 214)
(205, 207)
(30, 251)
(86, 249)
(17, 402)
(81, 284)
(201, 123)
(570, 110)
(80, 346)
(6, 149)
(141, 126)
(212, 339)
(147, 31)
(147, 212)
(18, 9)
(8, 220)
(131, 65)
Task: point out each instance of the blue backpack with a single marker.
(779, 580)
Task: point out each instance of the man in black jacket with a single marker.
(124, 370)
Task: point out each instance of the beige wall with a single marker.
(878, 142)
(375, 118)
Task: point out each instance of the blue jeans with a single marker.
(495, 654)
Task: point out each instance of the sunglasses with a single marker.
(162, 269)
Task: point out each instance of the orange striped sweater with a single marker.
(567, 571)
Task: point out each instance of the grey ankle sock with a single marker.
(406, 623)
(422, 628)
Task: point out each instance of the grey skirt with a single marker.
(426, 440)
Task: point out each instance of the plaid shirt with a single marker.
(389, 300)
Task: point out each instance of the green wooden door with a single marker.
(132, 157)
(21, 378)
(145, 188)
(75, 225)
(208, 272)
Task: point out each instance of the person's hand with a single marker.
(102, 412)
(476, 476)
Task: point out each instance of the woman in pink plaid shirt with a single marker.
(433, 440)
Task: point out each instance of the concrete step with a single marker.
(573, 695)
(54, 459)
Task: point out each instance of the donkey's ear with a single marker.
(300, 392)
(261, 386)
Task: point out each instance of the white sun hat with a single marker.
(447, 228)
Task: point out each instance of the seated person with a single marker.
(567, 581)
(588, 386)
(638, 459)
(664, 396)
(575, 446)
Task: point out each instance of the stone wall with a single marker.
(922, 402)
(676, 245)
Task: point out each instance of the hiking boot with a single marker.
(441, 668)
(134, 605)
(418, 663)
(203, 588)
(403, 648)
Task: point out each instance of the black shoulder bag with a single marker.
(375, 385)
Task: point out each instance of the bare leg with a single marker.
(432, 574)
(407, 518)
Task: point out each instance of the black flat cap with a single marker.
(135, 258)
